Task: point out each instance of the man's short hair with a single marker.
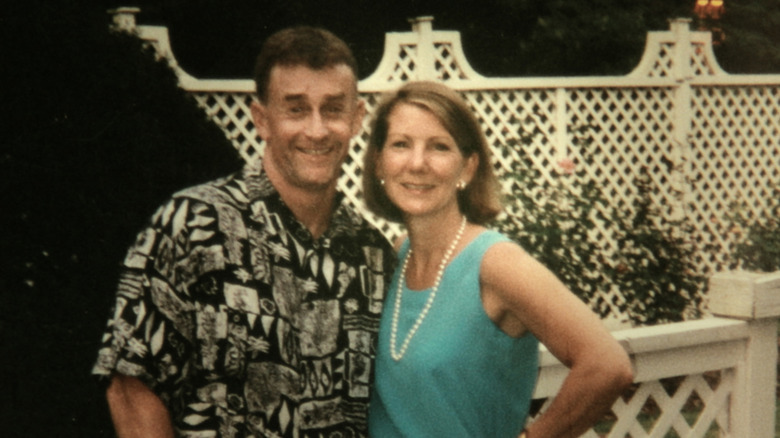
(313, 47)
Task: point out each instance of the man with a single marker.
(250, 305)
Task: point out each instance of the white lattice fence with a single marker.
(735, 145)
(695, 405)
(231, 112)
(707, 139)
(631, 129)
(709, 378)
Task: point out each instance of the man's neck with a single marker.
(311, 207)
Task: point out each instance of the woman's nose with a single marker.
(417, 158)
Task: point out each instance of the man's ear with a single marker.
(259, 112)
(357, 120)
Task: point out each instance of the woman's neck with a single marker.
(430, 238)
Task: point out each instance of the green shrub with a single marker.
(96, 134)
(553, 219)
(756, 237)
(653, 265)
(648, 277)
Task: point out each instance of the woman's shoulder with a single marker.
(503, 256)
(487, 239)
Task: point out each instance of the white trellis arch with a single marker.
(709, 139)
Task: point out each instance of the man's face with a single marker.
(307, 123)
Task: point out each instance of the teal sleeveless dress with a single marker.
(461, 375)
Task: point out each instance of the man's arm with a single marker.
(136, 411)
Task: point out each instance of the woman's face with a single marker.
(421, 163)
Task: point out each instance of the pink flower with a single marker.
(567, 166)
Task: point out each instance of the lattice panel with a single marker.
(406, 63)
(631, 131)
(735, 143)
(231, 112)
(701, 64)
(693, 406)
(446, 65)
(664, 63)
(507, 115)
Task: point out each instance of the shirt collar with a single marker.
(344, 221)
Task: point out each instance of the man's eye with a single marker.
(296, 110)
(334, 109)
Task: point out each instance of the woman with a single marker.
(457, 352)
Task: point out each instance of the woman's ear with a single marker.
(378, 170)
(470, 169)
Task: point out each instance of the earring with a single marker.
(461, 185)
(382, 182)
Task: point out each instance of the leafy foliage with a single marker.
(557, 221)
(757, 238)
(96, 134)
(653, 264)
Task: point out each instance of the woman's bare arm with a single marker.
(520, 294)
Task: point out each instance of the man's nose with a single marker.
(316, 126)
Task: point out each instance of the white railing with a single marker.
(714, 377)
(708, 138)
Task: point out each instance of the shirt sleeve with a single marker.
(150, 330)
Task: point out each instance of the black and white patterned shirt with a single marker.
(242, 323)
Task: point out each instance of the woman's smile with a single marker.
(417, 187)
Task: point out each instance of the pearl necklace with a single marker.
(399, 292)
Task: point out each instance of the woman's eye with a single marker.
(398, 144)
(443, 147)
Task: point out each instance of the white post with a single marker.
(681, 130)
(754, 297)
(681, 66)
(124, 18)
(426, 53)
(561, 144)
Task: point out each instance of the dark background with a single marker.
(95, 135)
